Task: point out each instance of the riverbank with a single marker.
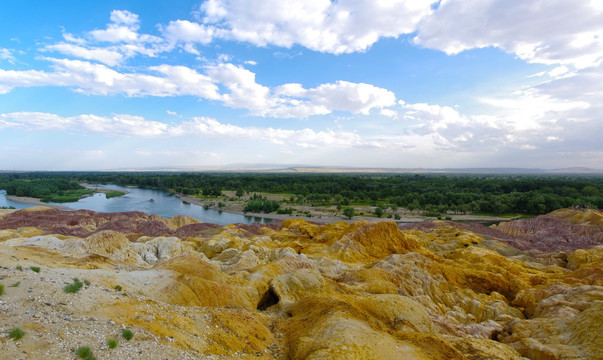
(326, 215)
(36, 202)
(315, 214)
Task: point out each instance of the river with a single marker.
(157, 202)
(4, 202)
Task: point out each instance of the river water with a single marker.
(4, 202)
(157, 202)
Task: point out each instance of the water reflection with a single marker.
(156, 202)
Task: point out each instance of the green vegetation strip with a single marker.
(430, 193)
(113, 193)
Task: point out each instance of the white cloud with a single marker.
(6, 54)
(124, 17)
(122, 35)
(130, 125)
(123, 27)
(389, 113)
(526, 120)
(98, 79)
(306, 138)
(186, 81)
(244, 91)
(122, 125)
(72, 39)
(187, 32)
(352, 97)
(531, 109)
(106, 56)
(328, 26)
(286, 101)
(540, 31)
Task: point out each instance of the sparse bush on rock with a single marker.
(73, 287)
(127, 334)
(111, 343)
(16, 333)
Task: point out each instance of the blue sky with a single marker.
(399, 84)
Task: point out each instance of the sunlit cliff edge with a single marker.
(530, 288)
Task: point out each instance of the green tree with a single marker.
(349, 212)
(379, 211)
(413, 205)
(590, 190)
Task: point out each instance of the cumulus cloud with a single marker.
(322, 25)
(130, 125)
(305, 138)
(526, 120)
(103, 55)
(292, 100)
(541, 31)
(122, 125)
(99, 79)
(242, 90)
(123, 27)
(187, 32)
(121, 34)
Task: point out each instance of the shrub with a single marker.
(288, 210)
(127, 334)
(111, 343)
(73, 288)
(87, 282)
(348, 212)
(83, 352)
(35, 268)
(117, 287)
(16, 333)
(1, 289)
(19, 267)
(16, 284)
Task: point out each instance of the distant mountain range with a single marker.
(298, 168)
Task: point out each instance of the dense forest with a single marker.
(492, 194)
(43, 186)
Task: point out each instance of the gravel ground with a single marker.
(56, 323)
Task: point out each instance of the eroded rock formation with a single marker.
(438, 290)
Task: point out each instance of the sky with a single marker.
(134, 84)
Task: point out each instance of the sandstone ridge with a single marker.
(296, 290)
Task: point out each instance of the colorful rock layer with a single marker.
(530, 288)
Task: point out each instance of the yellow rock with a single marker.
(308, 291)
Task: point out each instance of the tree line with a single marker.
(494, 194)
